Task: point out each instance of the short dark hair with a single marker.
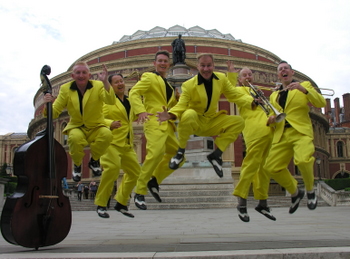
(162, 52)
(285, 62)
(110, 77)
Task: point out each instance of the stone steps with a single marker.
(191, 196)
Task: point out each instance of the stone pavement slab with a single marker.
(200, 233)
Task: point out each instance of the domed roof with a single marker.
(173, 31)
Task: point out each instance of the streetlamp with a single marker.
(318, 162)
(9, 169)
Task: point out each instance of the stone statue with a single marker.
(179, 51)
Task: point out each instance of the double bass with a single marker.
(38, 214)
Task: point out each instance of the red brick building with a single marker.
(132, 55)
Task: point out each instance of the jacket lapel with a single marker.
(290, 96)
(202, 94)
(162, 89)
(121, 107)
(86, 97)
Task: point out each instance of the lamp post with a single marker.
(9, 169)
(8, 172)
(318, 162)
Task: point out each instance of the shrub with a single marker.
(338, 184)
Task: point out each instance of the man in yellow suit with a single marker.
(197, 112)
(84, 98)
(293, 137)
(257, 138)
(148, 97)
(120, 154)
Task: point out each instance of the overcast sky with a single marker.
(313, 36)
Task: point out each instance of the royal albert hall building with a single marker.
(133, 55)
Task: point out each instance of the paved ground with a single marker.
(201, 233)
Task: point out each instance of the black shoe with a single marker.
(123, 209)
(140, 201)
(217, 164)
(153, 188)
(243, 214)
(94, 165)
(311, 201)
(102, 212)
(77, 173)
(295, 201)
(176, 160)
(265, 211)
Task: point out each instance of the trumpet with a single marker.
(278, 84)
(266, 105)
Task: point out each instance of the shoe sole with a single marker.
(217, 170)
(296, 206)
(267, 215)
(155, 193)
(104, 215)
(75, 179)
(126, 213)
(244, 218)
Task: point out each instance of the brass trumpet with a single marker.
(266, 106)
(278, 84)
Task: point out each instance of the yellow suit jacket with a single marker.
(297, 110)
(93, 100)
(194, 96)
(117, 112)
(255, 120)
(149, 95)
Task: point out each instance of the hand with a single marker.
(163, 116)
(296, 85)
(231, 67)
(48, 98)
(103, 76)
(115, 125)
(271, 120)
(177, 94)
(143, 117)
(256, 102)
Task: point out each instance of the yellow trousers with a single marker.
(161, 147)
(252, 170)
(112, 161)
(226, 127)
(98, 138)
(302, 148)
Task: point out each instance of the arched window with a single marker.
(340, 146)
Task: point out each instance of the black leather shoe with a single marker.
(123, 210)
(102, 212)
(153, 188)
(243, 214)
(140, 201)
(311, 201)
(176, 160)
(217, 164)
(265, 211)
(296, 200)
(95, 166)
(77, 173)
